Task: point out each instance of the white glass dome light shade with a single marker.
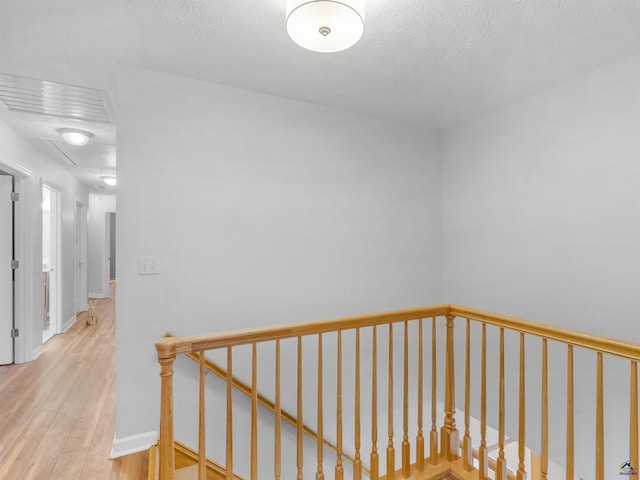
(111, 181)
(75, 137)
(326, 26)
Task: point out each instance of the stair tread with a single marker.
(184, 473)
(187, 473)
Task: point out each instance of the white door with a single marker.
(6, 272)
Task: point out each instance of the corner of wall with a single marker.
(97, 295)
(69, 323)
(35, 353)
(133, 444)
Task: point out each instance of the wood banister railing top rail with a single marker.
(610, 346)
(171, 346)
(195, 343)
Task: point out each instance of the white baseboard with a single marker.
(36, 352)
(98, 295)
(133, 444)
(68, 324)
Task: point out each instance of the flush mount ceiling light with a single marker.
(111, 181)
(75, 137)
(325, 25)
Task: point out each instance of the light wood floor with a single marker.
(57, 413)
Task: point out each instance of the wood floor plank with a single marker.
(58, 415)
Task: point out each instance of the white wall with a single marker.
(18, 154)
(262, 211)
(99, 205)
(542, 220)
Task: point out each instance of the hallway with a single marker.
(57, 416)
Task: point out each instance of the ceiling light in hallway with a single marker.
(325, 25)
(111, 181)
(75, 137)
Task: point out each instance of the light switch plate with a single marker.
(148, 265)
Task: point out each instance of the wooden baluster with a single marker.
(300, 424)
(254, 413)
(467, 452)
(406, 448)
(357, 463)
(166, 357)
(373, 458)
(633, 416)
(449, 436)
(419, 437)
(320, 445)
(522, 473)
(391, 451)
(433, 437)
(202, 453)
(277, 463)
(570, 416)
(501, 462)
(229, 463)
(544, 461)
(483, 455)
(339, 469)
(600, 422)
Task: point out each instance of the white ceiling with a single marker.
(432, 63)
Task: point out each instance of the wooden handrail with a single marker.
(208, 341)
(610, 346)
(211, 341)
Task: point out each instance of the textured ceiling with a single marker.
(432, 63)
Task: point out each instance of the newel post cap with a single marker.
(166, 347)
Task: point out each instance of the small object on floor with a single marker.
(92, 313)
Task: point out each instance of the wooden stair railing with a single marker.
(445, 455)
(250, 391)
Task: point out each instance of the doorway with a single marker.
(111, 220)
(51, 292)
(7, 271)
(81, 279)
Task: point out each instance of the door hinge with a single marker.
(15, 332)
(15, 264)
(15, 196)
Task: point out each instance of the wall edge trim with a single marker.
(133, 443)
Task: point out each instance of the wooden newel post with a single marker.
(166, 349)
(449, 436)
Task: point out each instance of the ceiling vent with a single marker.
(42, 97)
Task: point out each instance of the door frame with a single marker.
(24, 350)
(7, 322)
(80, 255)
(56, 293)
(109, 251)
(106, 277)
